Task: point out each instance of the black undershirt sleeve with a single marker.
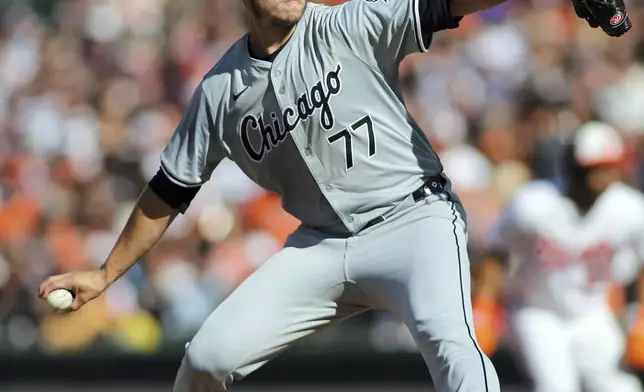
(436, 15)
(173, 194)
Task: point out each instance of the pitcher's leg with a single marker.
(417, 267)
(295, 293)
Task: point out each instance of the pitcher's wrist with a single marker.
(105, 275)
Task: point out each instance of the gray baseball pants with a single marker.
(414, 264)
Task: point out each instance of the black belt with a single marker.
(432, 185)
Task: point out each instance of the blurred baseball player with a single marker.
(562, 238)
(308, 105)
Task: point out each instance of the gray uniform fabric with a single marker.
(414, 265)
(324, 126)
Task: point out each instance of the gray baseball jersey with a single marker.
(324, 124)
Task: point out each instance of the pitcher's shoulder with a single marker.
(217, 83)
(319, 18)
(314, 11)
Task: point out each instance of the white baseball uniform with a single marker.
(559, 275)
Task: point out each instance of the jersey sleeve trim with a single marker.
(418, 30)
(175, 179)
(173, 194)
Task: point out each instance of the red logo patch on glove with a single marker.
(617, 19)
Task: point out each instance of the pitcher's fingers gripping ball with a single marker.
(72, 290)
(60, 299)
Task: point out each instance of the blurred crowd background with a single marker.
(91, 90)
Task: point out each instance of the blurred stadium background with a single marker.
(90, 91)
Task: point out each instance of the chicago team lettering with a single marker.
(273, 133)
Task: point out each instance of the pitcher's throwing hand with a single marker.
(84, 285)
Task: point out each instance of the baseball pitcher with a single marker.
(308, 106)
(563, 239)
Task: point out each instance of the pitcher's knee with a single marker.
(467, 369)
(204, 369)
(456, 363)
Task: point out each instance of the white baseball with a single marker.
(60, 299)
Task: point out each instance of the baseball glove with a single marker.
(610, 15)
